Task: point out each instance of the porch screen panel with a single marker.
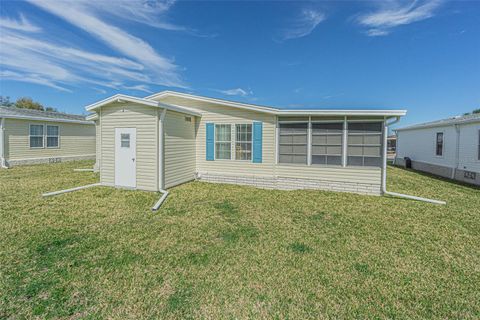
(327, 143)
(293, 143)
(364, 144)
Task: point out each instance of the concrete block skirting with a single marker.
(287, 183)
(19, 162)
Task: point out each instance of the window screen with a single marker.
(439, 144)
(36, 136)
(364, 144)
(223, 141)
(293, 143)
(52, 137)
(327, 143)
(243, 142)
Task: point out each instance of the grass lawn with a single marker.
(224, 251)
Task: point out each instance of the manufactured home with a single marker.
(169, 138)
(449, 148)
(33, 136)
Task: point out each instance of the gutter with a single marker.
(3, 163)
(157, 205)
(384, 172)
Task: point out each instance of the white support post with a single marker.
(309, 142)
(384, 154)
(344, 142)
(2, 150)
(277, 144)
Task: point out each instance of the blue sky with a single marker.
(420, 55)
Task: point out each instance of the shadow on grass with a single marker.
(439, 178)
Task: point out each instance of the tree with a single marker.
(475, 111)
(5, 102)
(28, 103)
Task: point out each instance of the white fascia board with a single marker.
(46, 119)
(92, 117)
(388, 113)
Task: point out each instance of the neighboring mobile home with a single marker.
(169, 138)
(448, 148)
(33, 136)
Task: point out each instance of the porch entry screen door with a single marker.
(125, 157)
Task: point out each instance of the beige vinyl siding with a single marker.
(145, 120)
(179, 154)
(75, 140)
(220, 114)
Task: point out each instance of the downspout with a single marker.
(457, 151)
(161, 162)
(3, 163)
(384, 171)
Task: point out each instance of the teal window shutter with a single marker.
(210, 141)
(257, 142)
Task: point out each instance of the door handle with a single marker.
(133, 159)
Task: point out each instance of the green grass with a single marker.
(224, 251)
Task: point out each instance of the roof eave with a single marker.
(436, 125)
(46, 119)
(388, 113)
(151, 103)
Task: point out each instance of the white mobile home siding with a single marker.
(420, 144)
(179, 148)
(145, 120)
(75, 140)
(468, 148)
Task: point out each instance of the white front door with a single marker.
(125, 157)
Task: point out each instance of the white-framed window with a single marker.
(53, 137)
(243, 142)
(364, 144)
(439, 144)
(327, 143)
(36, 135)
(125, 140)
(293, 142)
(223, 142)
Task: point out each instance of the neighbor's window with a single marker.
(125, 140)
(223, 141)
(364, 144)
(293, 143)
(327, 143)
(243, 142)
(36, 136)
(52, 137)
(439, 144)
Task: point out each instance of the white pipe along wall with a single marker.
(384, 171)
